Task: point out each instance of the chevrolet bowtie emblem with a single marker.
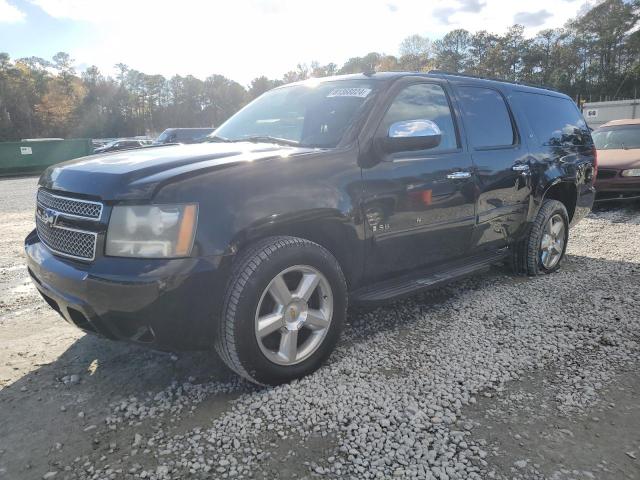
(48, 216)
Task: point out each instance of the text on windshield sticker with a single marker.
(349, 92)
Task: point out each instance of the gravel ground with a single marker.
(493, 377)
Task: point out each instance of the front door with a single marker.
(418, 206)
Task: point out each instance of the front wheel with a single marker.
(543, 250)
(283, 312)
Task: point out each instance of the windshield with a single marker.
(307, 115)
(623, 137)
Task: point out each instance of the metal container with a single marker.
(31, 157)
(599, 113)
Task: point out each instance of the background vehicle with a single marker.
(121, 144)
(618, 144)
(360, 188)
(182, 135)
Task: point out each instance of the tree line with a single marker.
(595, 56)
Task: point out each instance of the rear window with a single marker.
(487, 119)
(623, 137)
(555, 121)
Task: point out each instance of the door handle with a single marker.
(458, 175)
(521, 167)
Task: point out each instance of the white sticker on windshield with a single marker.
(349, 92)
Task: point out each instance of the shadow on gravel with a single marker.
(617, 205)
(599, 443)
(54, 413)
(619, 210)
(66, 401)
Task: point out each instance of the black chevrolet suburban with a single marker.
(346, 190)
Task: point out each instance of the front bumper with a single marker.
(618, 188)
(167, 304)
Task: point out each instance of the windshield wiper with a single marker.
(267, 139)
(215, 138)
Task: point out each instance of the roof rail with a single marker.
(493, 79)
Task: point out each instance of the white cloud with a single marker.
(9, 13)
(246, 38)
(532, 19)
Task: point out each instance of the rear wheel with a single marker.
(283, 311)
(544, 248)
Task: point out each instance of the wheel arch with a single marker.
(566, 193)
(328, 229)
(563, 190)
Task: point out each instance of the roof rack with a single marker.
(466, 75)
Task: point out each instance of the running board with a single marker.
(417, 281)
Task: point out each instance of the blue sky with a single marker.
(38, 33)
(242, 39)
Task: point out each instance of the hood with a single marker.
(136, 174)
(619, 159)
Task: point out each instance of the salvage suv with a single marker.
(346, 190)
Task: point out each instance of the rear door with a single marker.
(419, 205)
(501, 161)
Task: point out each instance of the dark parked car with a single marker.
(618, 144)
(122, 144)
(182, 135)
(355, 189)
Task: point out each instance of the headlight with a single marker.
(152, 231)
(632, 172)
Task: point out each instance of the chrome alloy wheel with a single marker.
(294, 315)
(552, 243)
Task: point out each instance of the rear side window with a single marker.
(488, 122)
(424, 101)
(555, 121)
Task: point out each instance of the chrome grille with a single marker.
(66, 241)
(63, 239)
(70, 206)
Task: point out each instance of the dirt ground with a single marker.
(77, 406)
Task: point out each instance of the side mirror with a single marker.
(412, 135)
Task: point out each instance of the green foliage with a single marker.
(594, 57)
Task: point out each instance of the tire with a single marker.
(529, 255)
(269, 358)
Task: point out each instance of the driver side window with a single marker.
(424, 101)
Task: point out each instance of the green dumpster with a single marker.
(31, 157)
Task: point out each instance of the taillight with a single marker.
(595, 164)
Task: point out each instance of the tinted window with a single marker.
(487, 118)
(424, 101)
(554, 120)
